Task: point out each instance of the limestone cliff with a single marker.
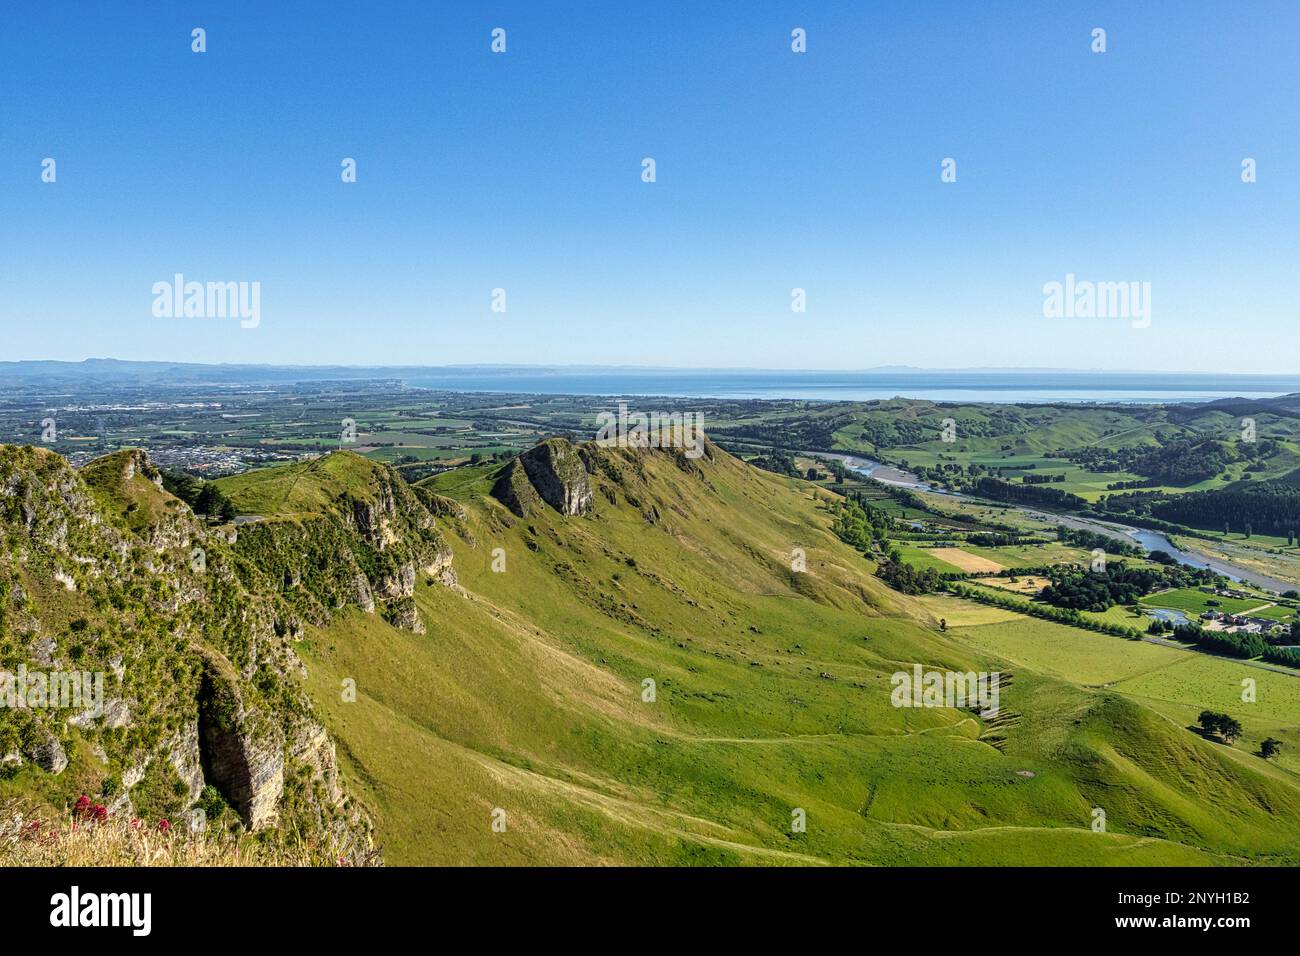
(352, 533)
(552, 472)
(105, 574)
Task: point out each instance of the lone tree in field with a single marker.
(1270, 748)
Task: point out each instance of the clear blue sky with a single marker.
(775, 170)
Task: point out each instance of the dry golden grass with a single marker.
(1026, 585)
(965, 560)
(29, 839)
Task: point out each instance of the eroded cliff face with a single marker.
(514, 490)
(366, 549)
(552, 472)
(104, 573)
(241, 749)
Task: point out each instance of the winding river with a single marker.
(1150, 540)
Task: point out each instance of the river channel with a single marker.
(1150, 540)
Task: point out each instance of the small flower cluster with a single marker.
(86, 809)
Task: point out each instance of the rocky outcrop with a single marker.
(399, 583)
(366, 549)
(515, 491)
(47, 753)
(375, 517)
(313, 747)
(404, 614)
(136, 462)
(241, 751)
(552, 472)
(440, 568)
(311, 563)
(440, 505)
(187, 760)
(557, 472)
(200, 676)
(129, 488)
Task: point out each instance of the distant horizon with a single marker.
(976, 385)
(599, 366)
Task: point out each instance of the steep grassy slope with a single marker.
(772, 688)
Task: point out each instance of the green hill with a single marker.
(771, 696)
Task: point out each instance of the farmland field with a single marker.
(1194, 602)
(965, 560)
(924, 558)
(1073, 654)
(1028, 585)
(1179, 684)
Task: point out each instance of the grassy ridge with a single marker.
(772, 694)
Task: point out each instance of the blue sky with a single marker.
(774, 171)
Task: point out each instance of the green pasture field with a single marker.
(1195, 602)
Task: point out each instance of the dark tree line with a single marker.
(1027, 494)
(1237, 644)
(1270, 507)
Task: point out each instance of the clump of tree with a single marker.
(203, 497)
(1222, 726)
(836, 468)
(1180, 462)
(860, 524)
(984, 539)
(1270, 748)
(815, 433)
(1092, 540)
(1087, 590)
(1042, 479)
(777, 462)
(907, 579)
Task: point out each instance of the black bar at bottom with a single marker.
(535, 905)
